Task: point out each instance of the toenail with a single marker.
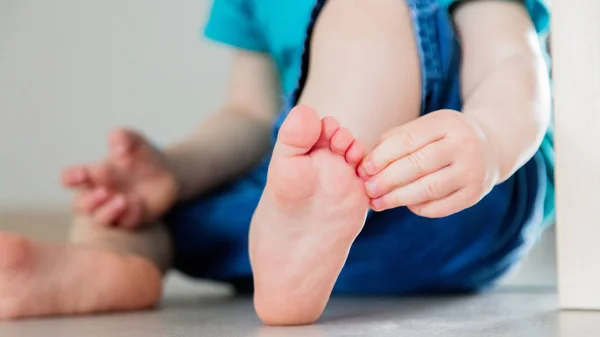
(101, 193)
(119, 202)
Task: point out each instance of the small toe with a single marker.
(356, 153)
(341, 141)
(329, 126)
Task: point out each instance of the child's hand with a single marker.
(131, 187)
(436, 165)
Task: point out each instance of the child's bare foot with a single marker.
(312, 209)
(39, 280)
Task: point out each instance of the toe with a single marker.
(102, 175)
(356, 153)
(299, 132)
(329, 126)
(341, 141)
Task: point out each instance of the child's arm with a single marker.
(364, 70)
(237, 136)
(446, 161)
(505, 82)
(137, 183)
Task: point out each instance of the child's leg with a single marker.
(364, 70)
(151, 242)
(362, 66)
(101, 270)
(399, 252)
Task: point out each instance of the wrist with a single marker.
(511, 145)
(172, 161)
(493, 154)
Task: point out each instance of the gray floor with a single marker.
(193, 311)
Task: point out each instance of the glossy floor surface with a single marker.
(208, 311)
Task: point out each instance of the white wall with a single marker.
(577, 72)
(71, 70)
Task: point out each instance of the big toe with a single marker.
(299, 132)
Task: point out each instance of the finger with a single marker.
(126, 146)
(405, 170)
(430, 187)
(124, 141)
(133, 217)
(108, 214)
(404, 140)
(102, 175)
(88, 202)
(360, 170)
(76, 177)
(447, 206)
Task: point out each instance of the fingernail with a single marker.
(371, 187)
(369, 167)
(377, 204)
(118, 202)
(101, 193)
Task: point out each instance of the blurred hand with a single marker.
(132, 186)
(436, 165)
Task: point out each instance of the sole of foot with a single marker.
(313, 208)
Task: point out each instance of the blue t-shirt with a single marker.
(275, 27)
(278, 28)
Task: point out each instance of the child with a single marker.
(436, 114)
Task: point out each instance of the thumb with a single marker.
(123, 142)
